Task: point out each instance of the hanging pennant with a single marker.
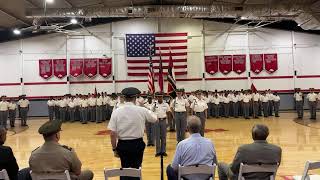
(45, 68)
(256, 63)
(105, 67)
(239, 63)
(76, 67)
(60, 68)
(90, 67)
(211, 64)
(270, 62)
(225, 64)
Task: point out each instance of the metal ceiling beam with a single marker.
(15, 17)
(69, 3)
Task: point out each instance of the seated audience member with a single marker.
(7, 159)
(53, 157)
(195, 150)
(259, 152)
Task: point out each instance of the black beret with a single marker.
(50, 127)
(159, 94)
(130, 92)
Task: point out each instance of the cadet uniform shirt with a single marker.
(148, 105)
(92, 101)
(12, 106)
(84, 103)
(50, 103)
(106, 100)
(235, 98)
(226, 99)
(312, 97)
(270, 96)
(191, 98)
(3, 106)
(52, 157)
(99, 101)
(264, 98)
(179, 104)
(63, 103)
(276, 98)
(216, 100)
(246, 98)
(298, 96)
(23, 103)
(129, 121)
(199, 105)
(71, 104)
(256, 97)
(113, 102)
(161, 109)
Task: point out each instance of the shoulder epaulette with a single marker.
(66, 147)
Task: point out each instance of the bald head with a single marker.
(3, 135)
(194, 124)
(260, 132)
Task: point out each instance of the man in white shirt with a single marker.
(150, 127)
(255, 99)
(298, 97)
(199, 108)
(246, 104)
(51, 105)
(265, 104)
(312, 98)
(127, 126)
(92, 107)
(112, 103)
(24, 108)
(226, 105)
(57, 108)
(276, 104)
(99, 108)
(12, 112)
(3, 112)
(71, 109)
(270, 97)
(179, 108)
(215, 104)
(84, 109)
(161, 109)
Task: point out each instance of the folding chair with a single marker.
(309, 166)
(4, 175)
(256, 168)
(51, 176)
(129, 172)
(196, 169)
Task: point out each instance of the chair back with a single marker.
(129, 172)
(51, 176)
(258, 168)
(196, 169)
(4, 175)
(309, 166)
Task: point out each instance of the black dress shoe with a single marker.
(165, 154)
(157, 155)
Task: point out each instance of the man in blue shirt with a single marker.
(195, 150)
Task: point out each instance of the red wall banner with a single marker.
(90, 67)
(45, 68)
(76, 67)
(225, 64)
(270, 62)
(211, 64)
(60, 68)
(105, 67)
(256, 63)
(239, 63)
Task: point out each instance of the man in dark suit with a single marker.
(259, 152)
(7, 160)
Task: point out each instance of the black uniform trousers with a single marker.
(131, 154)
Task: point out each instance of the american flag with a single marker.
(138, 52)
(151, 87)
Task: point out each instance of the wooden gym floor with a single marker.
(299, 140)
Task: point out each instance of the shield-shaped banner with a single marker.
(76, 67)
(105, 67)
(211, 64)
(256, 63)
(270, 62)
(60, 68)
(225, 64)
(90, 67)
(239, 63)
(45, 68)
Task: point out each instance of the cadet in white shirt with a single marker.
(72, 109)
(179, 108)
(199, 108)
(63, 109)
(127, 126)
(84, 109)
(210, 104)
(51, 105)
(12, 112)
(150, 127)
(270, 97)
(3, 112)
(106, 100)
(265, 104)
(255, 99)
(57, 108)
(276, 104)
(216, 102)
(112, 103)
(298, 97)
(92, 108)
(312, 98)
(226, 105)
(99, 109)
(235, 104)
(121, 103)
(161, 109)
(24, 108)
(246, 104)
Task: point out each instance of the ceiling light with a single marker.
(74, 21)
(16, 31)
(49, 1)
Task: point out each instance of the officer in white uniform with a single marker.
(127, 126)
(199, 108)
(298, 97)
(24, 108)
(162, 110)
(312, 99)
(50, 104)
(12, 112)
(3, 112)
(179, 108)
(276, 104)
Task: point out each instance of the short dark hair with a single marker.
(260, 132)
(3, 133)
